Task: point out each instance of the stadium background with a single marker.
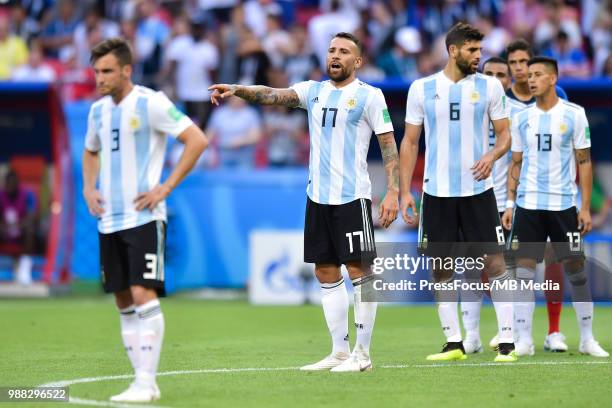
(213, 213)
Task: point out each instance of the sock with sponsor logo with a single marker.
(584, 315)
(334, 299)
(502, 302)
(524, 304)
(129, 334)
(151, 336)
(447, 312)
(365, 315)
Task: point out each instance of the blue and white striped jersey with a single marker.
(341, 122)
(547, 141)
(500, 169)
(131, 140)
(456, 118)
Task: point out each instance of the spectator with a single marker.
(151, 35)
(401, 60)
(93, 21)
(17, 208)
(22, 25)
(253, 63)
(495, 38)
(230, 39)
(13, 50)
(302, 62)
(381, 27)
(557, 17)
(235, 129)
(601, 36)
(572, 61)
(256, 13)
(368, 71)
(220, 9)
(323, 27)
(284, 131)
(277, 43)
(192, 61)
(58, 33)
(36, 70)
(520, 17)
(78, 82)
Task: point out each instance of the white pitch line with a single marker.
(75, 400)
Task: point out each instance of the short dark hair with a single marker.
(460, 33)
(549, 62)
(519, 45)
(350, 37)
(116, 46)
(496, 60)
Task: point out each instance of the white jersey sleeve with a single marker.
(165, 117)
(302, 88)
(414, 104)
(582, 133)
(499, 108)
(92, 139)
(515, 135)
(377, 114)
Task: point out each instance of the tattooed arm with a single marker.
(514, 175)
(259, 94)
(585, 171)
(389, 205)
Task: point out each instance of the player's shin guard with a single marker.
(129, 334)
(365, 315)
(334, 300)
(151, 336)
(524, 304)
(502, 301)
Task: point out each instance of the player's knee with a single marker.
(327, 273)
(123, 299)
(495, 265)
(142, 295)
(526, 263)
(574, 266)
(442, 275)
(356, 270)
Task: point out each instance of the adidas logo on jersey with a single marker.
(315, 99)
(436, 96)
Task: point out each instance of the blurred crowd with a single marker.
(182, 46)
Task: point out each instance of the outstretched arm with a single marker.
(389, 205)
(259, 94)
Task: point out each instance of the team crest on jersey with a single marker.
(351, 103)
(475, 97)
(515, 243)
(134, 122)
(563, 127)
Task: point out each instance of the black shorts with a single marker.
(337, 234)
(447, 223)
(134, 256)
(532, 228)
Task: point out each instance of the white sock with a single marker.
(365, 315)
(524, 305)
(447, 311)
(584, 314)
(151, 336)
(334, 299)
(470, 314)
(129, 333)
(504, 309)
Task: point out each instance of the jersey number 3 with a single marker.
(115, 146)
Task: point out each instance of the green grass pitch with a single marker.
(49, 340)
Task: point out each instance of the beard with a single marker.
(465, 67)
(339, 76)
